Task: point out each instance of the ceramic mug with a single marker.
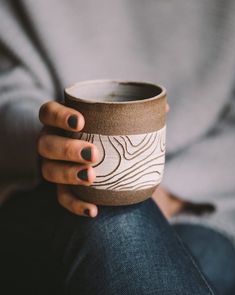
(126, 121)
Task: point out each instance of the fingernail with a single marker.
(86, 153)
(86, 212)
(73, 121)
(83, 174)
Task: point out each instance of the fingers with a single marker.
(57, 115)
(67, 173)
(76, 206)
(167, 108)
(55, 147)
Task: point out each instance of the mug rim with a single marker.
(67, 91)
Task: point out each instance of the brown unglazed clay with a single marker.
(126, 121)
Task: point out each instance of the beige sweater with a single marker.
(187, 46)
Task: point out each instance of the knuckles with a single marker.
(40, 148)
(57, 115)
(53, 171)
(69, 151)
(44, 111)
(57, 118)
(47, 171)
(68, 176)
(43, 145)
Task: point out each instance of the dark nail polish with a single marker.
(73, 121)
(86, 154)
(86, 212)
(82, 174)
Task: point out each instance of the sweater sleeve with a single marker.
(205, 171)
(23, 89)
(20, 101)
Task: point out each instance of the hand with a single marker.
(168, 204)
(171, 205)
(65, 160)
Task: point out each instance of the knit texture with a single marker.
(187, 46)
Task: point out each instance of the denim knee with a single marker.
(114, 249)
(115, 227)
(128, 250)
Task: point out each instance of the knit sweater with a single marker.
(187, 46)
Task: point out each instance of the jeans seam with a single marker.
(181, 244)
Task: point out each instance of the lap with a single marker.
(125, 250)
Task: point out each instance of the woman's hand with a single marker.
(168, 204)
(171, 205)
(65, 160)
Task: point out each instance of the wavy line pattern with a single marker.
(128, 162)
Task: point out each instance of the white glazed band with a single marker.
(129, 162)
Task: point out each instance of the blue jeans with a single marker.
(45, 249)
(214, 254)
